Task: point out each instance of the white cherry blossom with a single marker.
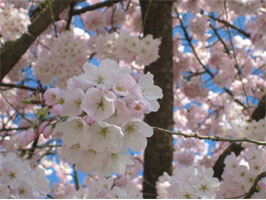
(75, 131)
(104, 135)
(116, 163)
(136, 132)
(72, 102)
(99, 105)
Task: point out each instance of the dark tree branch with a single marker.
(230, 25)
(218, 168)
(96, 6)
(220, 39)
(189, 40)
(253, 188)
(260, 111)
(70, 15)
(12, 51)
(14, 129)
(258, 114)
(24, 87)
(33, 147)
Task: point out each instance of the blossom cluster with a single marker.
(127, 47)
(240, 173)
(19, 180)
(254, 129)
(198, 26)
(97, 20)
(102, 110)
(188, 183)
(94, 185)
(106, 188)
(14, 22)
(64, 58)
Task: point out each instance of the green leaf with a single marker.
(26, 101)
(43, 112)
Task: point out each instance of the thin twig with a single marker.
(22, 114)
(236, 62)
(213, 138)
(70, 15)
(75, 176)
(146, 15)
(13, 129)
(24, 87)
(220, 39)
(189, 39)
(230, 25)
(52, 17)
(42, 147)
(96, 6)
(50, 196)
(33, 147)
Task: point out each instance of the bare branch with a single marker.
(213, 138)
(230, 25)
(14, 129)
(70, 15)
(189, 39)
(24, 87)
(96, 6)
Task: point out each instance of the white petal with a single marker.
(146, 80)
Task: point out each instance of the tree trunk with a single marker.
(157, 20)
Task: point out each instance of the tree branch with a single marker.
(70, 15)
(253, 188)
(96, 6)
(14, 129)
(189, 39)
(219, 165)
(12, 51)
(213, 138)
(24, 87)
(258, 114)
(230, 25)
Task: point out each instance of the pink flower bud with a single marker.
(47, 131)
(89, 120)
(42, 127)
(57, 109)
(22, 138)
(30, 136)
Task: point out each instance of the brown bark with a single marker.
(12, 51)
(157, 20)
